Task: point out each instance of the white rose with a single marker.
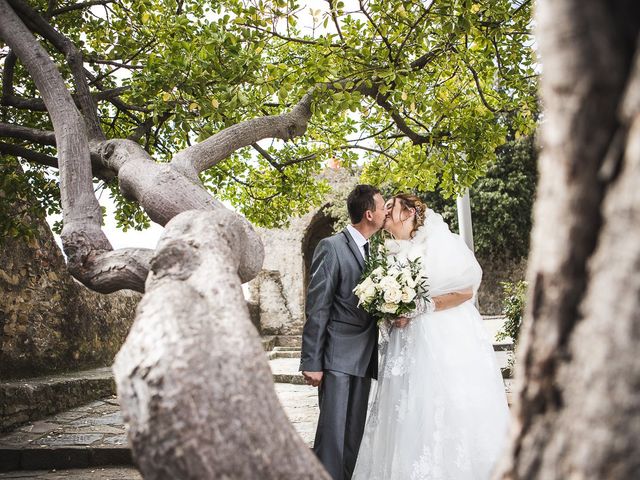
(369, 293)
(365, 290)
(408, 294)
(388, 283)
(393, 295)
(378, 272)
(389, 308)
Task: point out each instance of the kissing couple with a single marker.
(438, 409)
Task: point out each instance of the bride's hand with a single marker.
(401, 322)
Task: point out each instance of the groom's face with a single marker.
(379, 214)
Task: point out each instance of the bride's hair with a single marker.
(408, 201)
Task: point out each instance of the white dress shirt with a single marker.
(358, 238)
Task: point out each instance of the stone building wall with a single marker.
(48, 321)
(279, 288)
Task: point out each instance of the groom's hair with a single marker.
(360, 200)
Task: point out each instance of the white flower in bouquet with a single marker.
(366, 290)
(390, 285)
(391, 289)
(393, 295)
(378, 272)
(408, 294)
(389, 308)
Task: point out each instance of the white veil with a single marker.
(449, 264)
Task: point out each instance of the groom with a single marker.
(339, 340)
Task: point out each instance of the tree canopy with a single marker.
(421, 93)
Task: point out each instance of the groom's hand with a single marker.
(401, 322)
(313, 378)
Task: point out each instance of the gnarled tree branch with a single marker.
(204, 155)
(74, 58)
(38, 105)
(78, 6)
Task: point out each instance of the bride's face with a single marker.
(397, 217)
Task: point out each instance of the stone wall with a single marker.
(48, 321)
(279, 289)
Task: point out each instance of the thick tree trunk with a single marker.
(192, 377)
(577, 405)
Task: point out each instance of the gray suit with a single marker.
(340, 339)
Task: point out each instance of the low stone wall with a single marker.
(26, 400)
(48, 321)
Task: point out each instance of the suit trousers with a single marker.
(343, 402)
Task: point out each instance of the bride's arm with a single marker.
(435, 304)
(450, 300)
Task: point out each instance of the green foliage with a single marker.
(18, 189)
(501, 202)
(194, 68)
(128, 214)
(513, 310)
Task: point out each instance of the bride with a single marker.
(439, 410)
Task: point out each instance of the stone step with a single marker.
(286, 349)
(268, 343)
(290, 378)
(289, 341)
(289, 354)
(31, 399)
(32, 458)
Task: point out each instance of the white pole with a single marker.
(464, 219)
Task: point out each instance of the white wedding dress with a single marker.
(439, 411)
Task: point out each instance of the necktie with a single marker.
(366, 250)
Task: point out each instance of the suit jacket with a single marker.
(338, 335)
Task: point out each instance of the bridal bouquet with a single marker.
(390, 286)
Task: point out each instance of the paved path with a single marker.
(116, 473)
(99, 424)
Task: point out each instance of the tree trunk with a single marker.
(577, 402)
(192, 377)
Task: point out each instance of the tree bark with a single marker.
(81, 212)
(193, 380)
(577, 402)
